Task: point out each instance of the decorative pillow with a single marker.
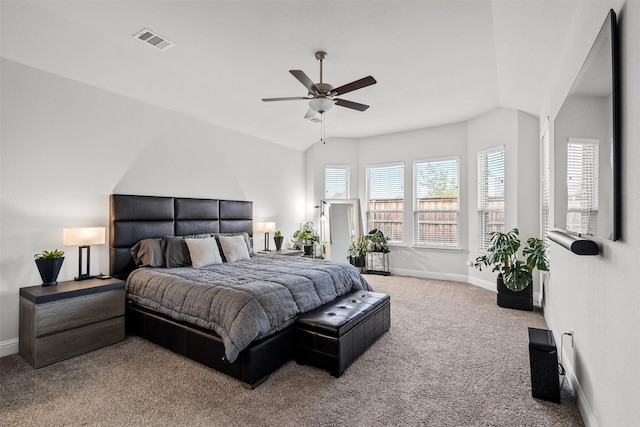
(234, 248)
(244, 234)
(203, 252)
(176, 252)
(148, 253)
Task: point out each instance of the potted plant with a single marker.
(277, 238)
(378, 241)
(49, 264)
(307, 234)
(358, 250)
(515, 278)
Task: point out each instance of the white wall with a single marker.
(597, 296)
(66, 146)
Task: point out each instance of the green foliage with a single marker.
(378, 241)
(307, 233)
(502, 256)
(359, 248)
(49, 254)
(277, 234)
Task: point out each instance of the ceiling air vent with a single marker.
(154, 39)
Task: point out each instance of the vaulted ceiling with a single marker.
(435, 62)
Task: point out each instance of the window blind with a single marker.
(545, 193)
(385, 200)
(582, 185)
(336, 182)
(437, 203)
(490, 194)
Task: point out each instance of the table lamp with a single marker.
(266, 227)
(83, 237)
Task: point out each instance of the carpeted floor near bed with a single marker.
(451, 358)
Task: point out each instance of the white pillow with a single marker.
(234, 248)
(203, 252)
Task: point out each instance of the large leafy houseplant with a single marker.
(378, 241)
(503, 257)
(358, 250)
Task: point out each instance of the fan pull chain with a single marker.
(323, 132)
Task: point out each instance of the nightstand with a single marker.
(285, 252)
(69, 319)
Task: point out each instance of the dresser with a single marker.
(69, 319)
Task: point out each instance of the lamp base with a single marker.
(82, 277)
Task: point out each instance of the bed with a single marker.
(234, 316)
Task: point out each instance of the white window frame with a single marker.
(582, 187)
(347, 170)
(369, 213)
(485, 211)
(454, 243)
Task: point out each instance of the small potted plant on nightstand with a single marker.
(277, 238)
(49, 264)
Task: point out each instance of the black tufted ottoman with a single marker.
(334, 335)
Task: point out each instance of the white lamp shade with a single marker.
(266, 227)
(83, 236)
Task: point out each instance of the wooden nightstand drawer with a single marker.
(74, 342)
(58, 316)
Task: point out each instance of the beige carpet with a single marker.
(451, 358)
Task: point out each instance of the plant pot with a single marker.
(278, 240)
(308, 250)
(49, 269)
(357, 261)
(520, 300)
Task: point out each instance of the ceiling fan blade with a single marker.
(310, 114)
(291, 98)
(351, 104)
(305, 80)
(358, 84)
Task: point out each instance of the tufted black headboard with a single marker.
(134, 218)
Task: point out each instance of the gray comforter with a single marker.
(244, 300)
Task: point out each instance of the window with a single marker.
(336, 182)
(385, 200)
(490, 194)
(582, 185)
(437, 202)
(545, 193)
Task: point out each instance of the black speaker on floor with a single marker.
(543, 358)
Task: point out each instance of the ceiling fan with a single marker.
(322, 96)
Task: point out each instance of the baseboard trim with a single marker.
(9, 347)
(570, 373)
(429, 275)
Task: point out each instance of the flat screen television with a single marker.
(587, 144)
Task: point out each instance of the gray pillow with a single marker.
(148, 253)
(176, 252)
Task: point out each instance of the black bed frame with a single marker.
(134, 218)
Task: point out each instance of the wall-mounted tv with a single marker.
(587, 145)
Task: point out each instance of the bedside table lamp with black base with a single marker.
(83, 237)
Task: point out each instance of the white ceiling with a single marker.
(436, 62)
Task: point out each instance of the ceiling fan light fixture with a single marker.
(321, 105)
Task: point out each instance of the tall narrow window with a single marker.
(385, 200)
(336, 182)
(437, 202)
(545, 194)
(490, 194)
(582, 185)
